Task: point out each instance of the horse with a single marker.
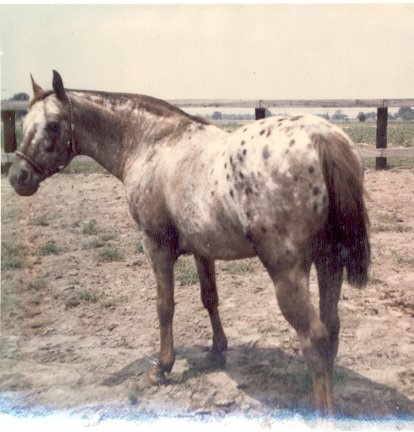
(287, 189)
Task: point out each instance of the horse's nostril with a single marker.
(24, 174)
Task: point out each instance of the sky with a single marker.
(216, 51)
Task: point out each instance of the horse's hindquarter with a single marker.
(273, 184)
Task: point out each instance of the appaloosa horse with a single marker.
(287, 189)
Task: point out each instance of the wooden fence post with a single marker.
(9, 127)
(260, 113)
(381, 138)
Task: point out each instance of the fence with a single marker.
(381, 152)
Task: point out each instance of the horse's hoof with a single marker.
(216, 359)
(156, 375)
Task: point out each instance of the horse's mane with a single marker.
(151, 104)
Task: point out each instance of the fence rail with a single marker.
(8, 109)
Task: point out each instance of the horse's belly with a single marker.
(217, 244)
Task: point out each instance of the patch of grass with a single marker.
(41, 220)
(108, 303)
(389, 223)
(94, 244)
(186, 272)
(139, 247)
(37, 285)
(49, 248)
(404, 259)
(87, 295)
(84, 166)
(107, 237)
(91, 228)
(109, 254)
(133, 394)
(12, 256)
(240, 267)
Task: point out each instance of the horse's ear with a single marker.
(58, 86)
(37, 90)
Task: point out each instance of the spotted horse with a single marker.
(288, 189)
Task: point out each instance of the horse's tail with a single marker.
(346, 229)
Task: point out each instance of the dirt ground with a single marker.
(79, 325)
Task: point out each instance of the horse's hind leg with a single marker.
(330, 273)
(209, 297)
(292, 291)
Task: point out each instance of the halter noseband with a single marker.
(71, 144)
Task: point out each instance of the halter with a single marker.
(71, 144)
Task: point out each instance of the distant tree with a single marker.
(406, 113)
(20, 97)
(371, 116)
(217, 115)
(361, 117)
(339, 116)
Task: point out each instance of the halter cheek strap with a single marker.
(71, 144)
(27, 159)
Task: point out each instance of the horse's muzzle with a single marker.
(23, 178)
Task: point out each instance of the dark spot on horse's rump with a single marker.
(311, 170)
(212, 193)
(324, 199)
(189, 137)
(241, 175)
(248, 190)
(248, 215)
(264, 230)
(228, 176)
(292, 142)
(269, 131)
(262, 122)
(231, 160)
(240, 158)
(296, 178)
(249, 235)
(244, 152)
(296, 118)
(245, 129)
(231, 193)
(262, 131)
(225, 165)
(265, 152)
(201, 127)
(315, 208)
(252, 137)
(211, 172)
(243, 142)
(316, 190)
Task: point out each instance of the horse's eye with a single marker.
(53, 129)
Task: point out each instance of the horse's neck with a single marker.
(114, 138)
(99, 134)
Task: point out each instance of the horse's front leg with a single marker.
(209, 297)
(162, 260)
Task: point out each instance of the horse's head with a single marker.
(48, 138)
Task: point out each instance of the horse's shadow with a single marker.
(280, 381)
